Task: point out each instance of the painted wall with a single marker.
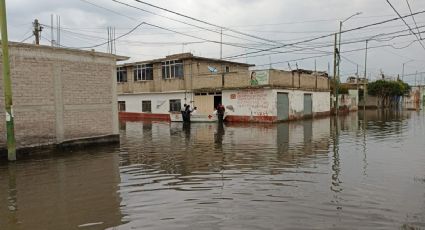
(249, 102)
(159, 101)
(261, 104)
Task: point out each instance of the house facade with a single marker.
(61, 96)
(154, 89)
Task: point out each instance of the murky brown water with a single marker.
(362, 172)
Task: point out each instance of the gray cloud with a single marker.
(281, 20)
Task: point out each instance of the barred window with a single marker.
(143, 72)
(175, 105)
(172, 69)
(121, 74)
(146, 106)
(121, 106)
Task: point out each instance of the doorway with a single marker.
(308, 105)
(217, 100)
(282, 106)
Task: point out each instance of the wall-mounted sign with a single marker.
(259, 77)
(212, 69)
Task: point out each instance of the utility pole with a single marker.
(335, 80)
(52, 39)
(221, 43)
(357, 79)
(315, 74)
(37, 31)
(415, 77)
(365, 79)
(7, 85)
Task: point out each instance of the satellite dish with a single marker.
(212, 69)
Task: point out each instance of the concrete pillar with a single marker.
(115, 125)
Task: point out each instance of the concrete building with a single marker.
(415, 99)
(61, 96)
(156, 88)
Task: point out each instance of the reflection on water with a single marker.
(62, 192)
(361, 171)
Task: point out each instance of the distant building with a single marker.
(415, 99)
(61, 96)
(154, 89)
(354, 81)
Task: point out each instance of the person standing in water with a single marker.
(220, 112)
(187, 113)
(182, 111)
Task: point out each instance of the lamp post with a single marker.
(402, 71)
(339, 59)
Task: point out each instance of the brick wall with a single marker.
(60, 94)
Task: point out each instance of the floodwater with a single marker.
(362, 171)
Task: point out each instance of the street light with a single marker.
(402, 72)
(339, 58)
(340, 31)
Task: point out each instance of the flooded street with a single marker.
(362, 171)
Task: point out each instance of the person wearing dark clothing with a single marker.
(220, 112)
(183, 111)
(187, 113)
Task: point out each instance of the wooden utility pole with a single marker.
(315, 74)
(37, 31)
(7, 85)
(335, 80)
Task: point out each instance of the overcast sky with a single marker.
(271, 23)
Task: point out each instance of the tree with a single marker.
(388, 91)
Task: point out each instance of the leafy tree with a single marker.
(388, 91)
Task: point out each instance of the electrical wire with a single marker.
(413, 17)
(112, 11)
(419, 40)
(324, 36)
(183, 22)
(27, 38)
(207, 23)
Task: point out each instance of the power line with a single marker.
(112, 11)
(114, 39)
(414, 20)
(324, 36)
(204, 22)
(325, 45)
(212, 41)
(27, 38)
(325, 55)
(183, 22)
(162, 28)
(419, 40)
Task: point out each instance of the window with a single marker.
(227, 69)
(121, 74)
(175, 105)
(143, 72)
(121, 106)
(172, 69)
(146, 106)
